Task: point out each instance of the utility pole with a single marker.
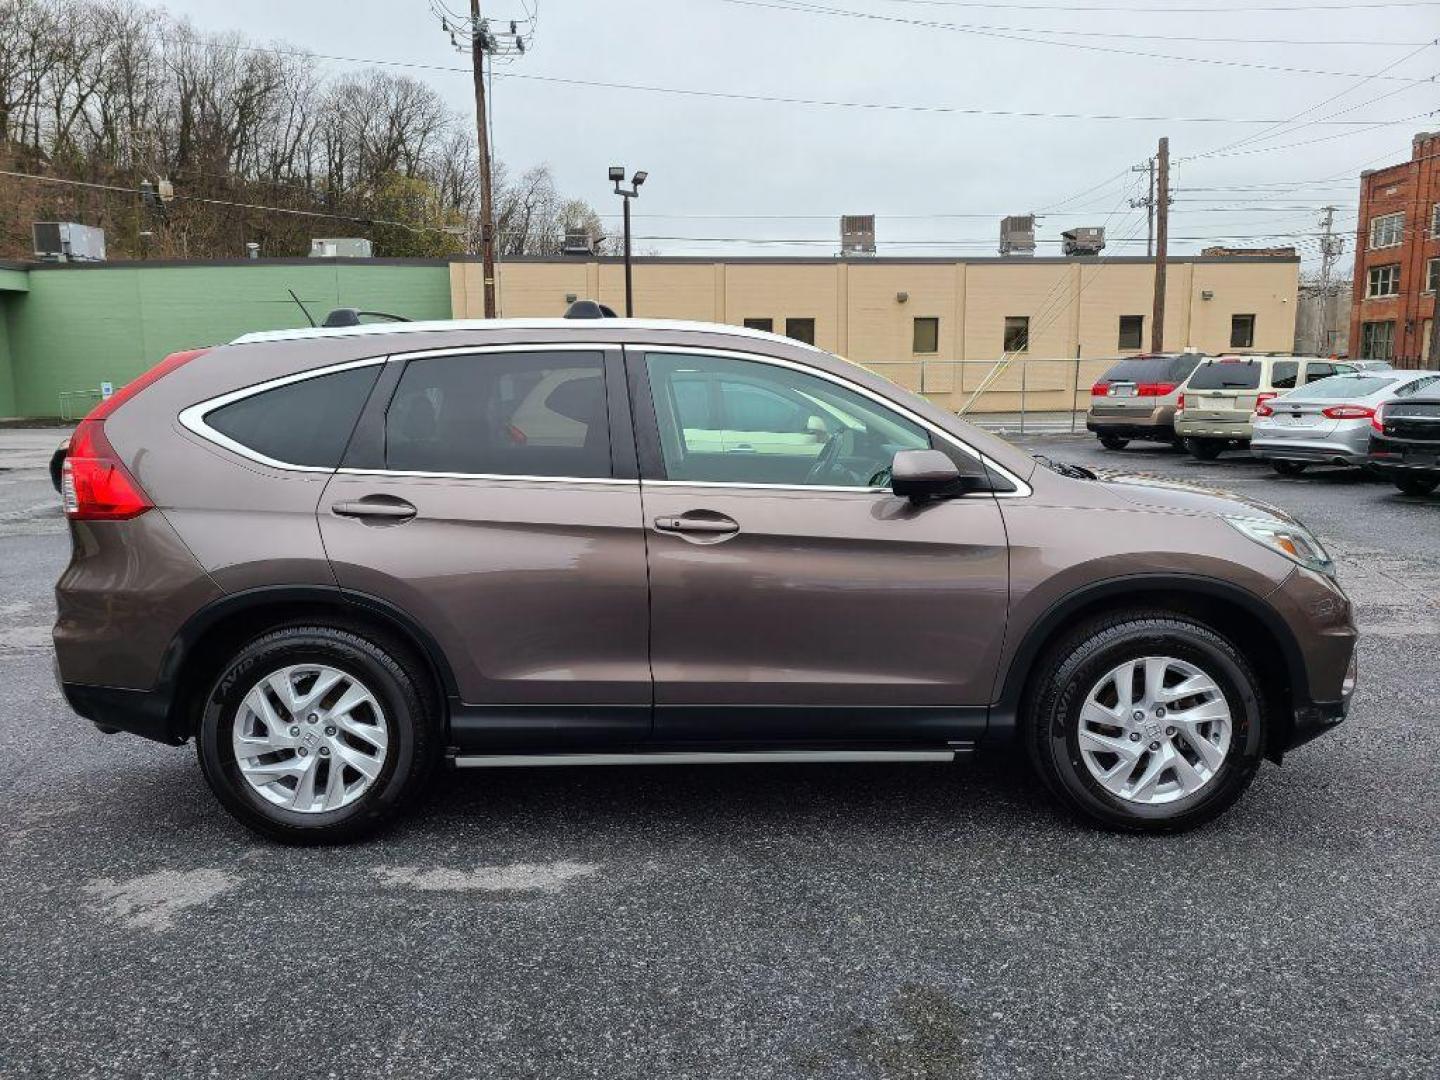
(480, 41)
(1149, 203)
(1331, 247)
(487, 205)
(1161, 210)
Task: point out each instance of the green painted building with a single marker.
(67, 328)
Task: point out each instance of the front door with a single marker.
(793, 597)
(495, 517)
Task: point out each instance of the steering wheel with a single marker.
(826, 459)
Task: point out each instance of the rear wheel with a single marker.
(1289, 468)
(1417, 485)
(1204, 449)
(1146, 722)
(1113, 442)
(317, 734)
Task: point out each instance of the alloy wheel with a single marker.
(310, 738)
(1154, 730)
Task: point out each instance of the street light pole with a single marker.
(617, 174)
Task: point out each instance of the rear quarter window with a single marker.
(301, 423)
(1221, 375)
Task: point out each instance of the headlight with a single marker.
(1295, 542)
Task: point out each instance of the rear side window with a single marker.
(301, 423)
(1283, 374)
(1223, 375)
(502, 414)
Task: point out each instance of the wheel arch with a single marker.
(1236, 613)
(212, 634)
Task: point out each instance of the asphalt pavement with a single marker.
(781, 921)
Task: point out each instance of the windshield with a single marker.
(1140, 369)
(1344, 386)
(1226, 375)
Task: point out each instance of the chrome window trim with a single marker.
(417, 474)
(1022, 489)
(192, 418)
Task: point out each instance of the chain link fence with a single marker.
(1023, 394)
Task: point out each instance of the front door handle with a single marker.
(717, 525)
(377, 506)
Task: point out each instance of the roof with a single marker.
(572, 325)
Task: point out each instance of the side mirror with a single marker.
(918, 475)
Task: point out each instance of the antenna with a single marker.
(308, 317)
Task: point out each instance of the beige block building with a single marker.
(936, 325)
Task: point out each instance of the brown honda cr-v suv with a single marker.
(336, 558)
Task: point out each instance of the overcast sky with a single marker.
(782, 171)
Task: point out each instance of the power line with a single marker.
(1086, 9)
(777, 99)
(814, 9)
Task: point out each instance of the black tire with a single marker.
(1417, 485)
(1071, 669)
(1113, 442)
(57, 469)
(412, 718)
(1289, 468)
(1204, 449)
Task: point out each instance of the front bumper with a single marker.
(1322, 623)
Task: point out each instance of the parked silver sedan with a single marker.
(1328, 422)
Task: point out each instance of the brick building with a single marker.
(1397, 259)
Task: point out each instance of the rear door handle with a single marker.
(711, 525)
(377, 507)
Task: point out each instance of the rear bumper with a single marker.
(1212, 429)
(1129, 429)
(1388, 455)
(111, 709)
(1292, 450)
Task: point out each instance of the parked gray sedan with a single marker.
(1328, 422)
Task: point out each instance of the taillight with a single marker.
(1155, 389)
(95, 484)
(1100, 389)
(1348, 412)
(1180, 405)
(1377, 420)
(1262, 409)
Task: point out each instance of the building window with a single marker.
(1132, 331)
(1242, 331)
(1432, 276)
(1377, 341)
(801, 330)
(1435, 221)
(927, 336)
(1017, 333)
(1387, 230)
(768, 325)
(1384, 281)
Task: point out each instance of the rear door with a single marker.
(485, 497)
(793, 597)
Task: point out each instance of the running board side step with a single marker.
(706, 757)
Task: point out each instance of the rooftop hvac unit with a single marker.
(345, 247)
(65, 241)
(857, 234)
(1089, 240)
(580, 242)
(1017, 235)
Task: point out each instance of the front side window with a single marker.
(1377, 340)
(1387, 230)
(502, 413)
(1242, 331)
(926, 336)
(767, 424)
(301, 423)
(1384, 281)
(1132, 331)
(1017, 333)
(801, 330)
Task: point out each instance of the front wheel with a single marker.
(1204, 449)
(1289, 468)
(1113, 442)
(1417, 485)
(317, 734)
(1146, 722)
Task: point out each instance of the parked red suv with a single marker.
(335, 558)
